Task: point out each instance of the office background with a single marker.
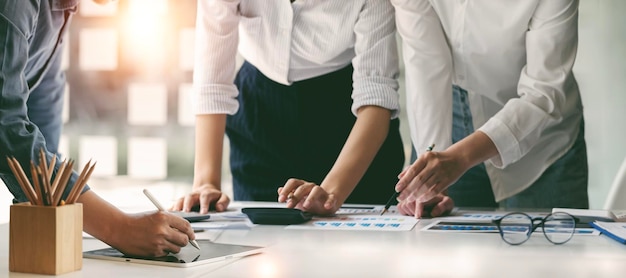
(129, 67)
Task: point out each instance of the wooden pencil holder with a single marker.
(45, 239)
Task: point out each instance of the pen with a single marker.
(160, 208)
(395, 194)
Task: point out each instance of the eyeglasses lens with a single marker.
(559, 227)
(516, 228)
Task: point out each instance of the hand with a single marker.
(437, 206)
(430, 175)
(152, 235)
(307, 196)
(205, 195)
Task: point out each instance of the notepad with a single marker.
(590, 215)
(614, 230)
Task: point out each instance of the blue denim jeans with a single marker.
(32, 82)
(563, 184)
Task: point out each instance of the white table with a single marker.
(314, 253)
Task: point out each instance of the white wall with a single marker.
(601, 72)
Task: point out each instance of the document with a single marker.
(360, 222)
(451, 226)
(614, 230)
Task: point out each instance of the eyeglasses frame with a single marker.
(535, 225)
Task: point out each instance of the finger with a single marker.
(331, 203)
(425, 208)
(406, 178)
(443, 207)
(178, 205)
(279, 191)
(206, 198)
(402, 173)
(222, 203)
(313, 198)
(408, 208)
(300, 193)
(205, 202)
(402, 208)
(316, 199)
(289, 187)
(189, 201)
(412, 190)
(181, 231)
(419, 209)
(174, 241)
(172, 248)
(410, 173)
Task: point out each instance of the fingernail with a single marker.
(398, 186)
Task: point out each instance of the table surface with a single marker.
(331, 253)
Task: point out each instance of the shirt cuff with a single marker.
(376, 91)
(215, 99)
(506, 143)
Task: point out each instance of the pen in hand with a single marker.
(160, 208)
(395, 194)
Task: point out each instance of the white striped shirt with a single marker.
(292, 42)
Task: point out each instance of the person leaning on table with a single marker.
(313, 111)
(509, 66)
(31, 90)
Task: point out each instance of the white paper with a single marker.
(363, 222)
(616, 228)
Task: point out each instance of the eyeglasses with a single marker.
(515, 228)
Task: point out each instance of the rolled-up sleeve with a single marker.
(376, 61)
(544, 85)
(216, 42)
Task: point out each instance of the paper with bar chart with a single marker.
(362, 222)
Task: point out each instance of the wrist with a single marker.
(110, 233)
(340, 193)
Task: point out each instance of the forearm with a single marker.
(368, 134)
(209, 148)
(101, 219)
(473, 149)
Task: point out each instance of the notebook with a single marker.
(614, 230)
(590, 215)
(209, 252)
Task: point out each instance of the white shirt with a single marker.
(515, 60)
(291, 42)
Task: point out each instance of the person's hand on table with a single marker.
(308, 196)
(430, 175)
(439, 205)
(152, 234)
(205, 195)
